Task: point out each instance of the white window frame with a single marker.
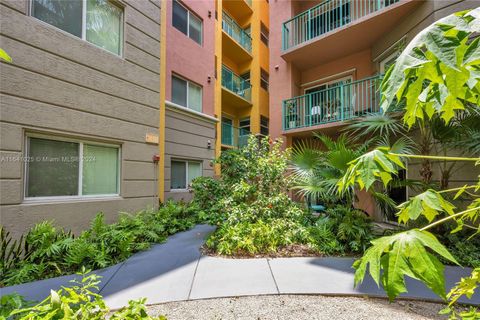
(186, 172)
(188, 94)
(189, 12)
(84, 26)
(81, 143)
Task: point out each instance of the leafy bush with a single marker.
(207, 194)
(255, 213)
(77, 302)
(260, 237)
(464, 248)
(46, 251)
(352, 231)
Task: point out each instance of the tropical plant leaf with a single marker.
(429, 204)
(449, 65)
(364, 170)
(465, 287)
(404, 254)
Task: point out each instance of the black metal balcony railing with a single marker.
(339, 103)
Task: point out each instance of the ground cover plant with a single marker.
(47, 251)
(77, 302)
(437, 75)
(255, 216)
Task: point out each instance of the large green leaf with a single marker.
(404, 254)
(438, 71)
(365, 170)
(429, 204)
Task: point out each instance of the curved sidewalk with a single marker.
(176, 271)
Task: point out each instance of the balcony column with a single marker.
(255, 69)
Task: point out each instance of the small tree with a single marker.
(437, 75)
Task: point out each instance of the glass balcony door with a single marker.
(328, 101)
(227, 131)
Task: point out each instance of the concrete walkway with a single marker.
(176, 271)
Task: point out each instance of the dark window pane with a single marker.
(63, 14)
(179, 175)
(264, 79)
(53, 168)
(244, 125)
(179, 91)
(180, 20)
(264, 34)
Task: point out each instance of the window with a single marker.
(58, 168)
(264, 125)
(246, 76)
(187, 22)
(244, 126)
(388, 61)
(97, 21)
(183, 172)
(264, 79)
(264, 34)
(186, 93)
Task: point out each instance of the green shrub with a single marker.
(208, 193)
(77, 302)
(46, 251)
(464, 248)
(255, 214)
(259, 237)
(351, 228)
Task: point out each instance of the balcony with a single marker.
(337, 28)
(236, 43)
(332, 105)
(235, 90)
(233, 136)
(241, 9)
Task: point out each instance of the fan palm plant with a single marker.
(317, 165)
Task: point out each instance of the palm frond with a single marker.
(403, 145)
(305, 159)
(376, 124)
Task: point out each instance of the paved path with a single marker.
(176, 271)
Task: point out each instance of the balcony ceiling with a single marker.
(234, 50)
(354, 37)
(239, 9)
(234, 100)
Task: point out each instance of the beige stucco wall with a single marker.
(59, 84)
(188, 136)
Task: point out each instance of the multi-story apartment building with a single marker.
(79, 114)
(115, 105)
(327, 59)
(242, 71)
(216, 84)
(188, 75)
